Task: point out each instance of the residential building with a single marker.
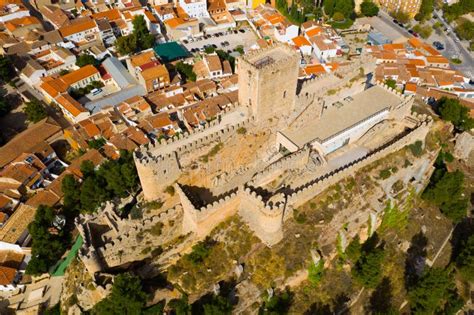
(81, 31)
(10, 10)
(195, 8)
(410, 7)
(146, 68)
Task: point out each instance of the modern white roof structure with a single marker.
(344, 115)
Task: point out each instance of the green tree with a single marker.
(145, 40)
(465, 260)
(35, 111)
(186, 71)
(391, 83)
(451, 110)
(346, 7)
(86, 59)
(424, 30)
(4, 107)
(96, 143)
(93, 193)
(329, 7)
(430, 291)
(381, 300)
(180, 306)
(401, 16)
(426, 9)
(369, 8)
(446, 190)
(338, 17)
(46, 247)
(279, 303)
(7, 72)
(126, 44)
(72, 195)
(217, 305)
(368, 268)
(139, 40)
(354, 249)
(465, 29)
(127, 297)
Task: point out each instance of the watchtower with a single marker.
(267, 81)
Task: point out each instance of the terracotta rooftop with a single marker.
(79, 25)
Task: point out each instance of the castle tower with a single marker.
(267, 81)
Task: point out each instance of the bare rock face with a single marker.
(464, 148)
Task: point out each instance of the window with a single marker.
(284, 94)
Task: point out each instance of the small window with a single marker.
(284, 94)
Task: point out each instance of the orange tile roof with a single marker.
(437, 59)
(70, 104)
(91, 129)
(415, 42)
(393, 46)
(111, 15)
(411, 87)
(418, 53)
(175, 22)
(416, 62)
(301, 41)
(77, 27)
(431, 50)
(7, 275)
(79, 74)
(314, 69)
(13, 24)
(314, 31)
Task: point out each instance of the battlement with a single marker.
(303, 193)
(291, 161)
(270, 58)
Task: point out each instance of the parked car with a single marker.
(410, 31)
(214, 45)
(236, 32)
(416, 34)
(185, 41)
(96, 91)
(395, 21)
(242, 30)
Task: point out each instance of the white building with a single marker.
(195, 8)
(82, 31)
(323, 48)
(343, 122)
(12, 11)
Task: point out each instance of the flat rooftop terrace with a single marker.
(268, 56)
(343, 115)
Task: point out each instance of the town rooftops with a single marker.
(345, 115)
(78, 26)
(28, 140)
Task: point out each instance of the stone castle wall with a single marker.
(266, 218)
(291, 161)
(305, 192)
(156, 171)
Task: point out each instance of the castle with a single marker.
(304, 137)
(269, 100)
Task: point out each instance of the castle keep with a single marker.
(311, 138)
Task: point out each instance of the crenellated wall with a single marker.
(292, 161)
(307, 191)
(157, 169)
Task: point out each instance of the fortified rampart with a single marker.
(265, 214)
(292, 161)
(118, 242)
(201, 220)
(158, 165)
(307, 191)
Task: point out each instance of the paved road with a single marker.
(467, 67)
